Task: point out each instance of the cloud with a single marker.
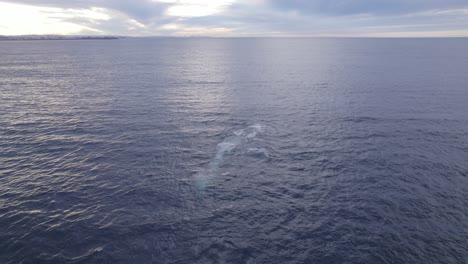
(141, 10)
(373, 7)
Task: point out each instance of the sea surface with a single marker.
(244, 150)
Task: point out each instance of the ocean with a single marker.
(234, 150)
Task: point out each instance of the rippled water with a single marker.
(234, 151)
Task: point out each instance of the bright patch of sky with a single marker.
(196, 8)
(16, 19)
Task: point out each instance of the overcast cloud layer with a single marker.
(405, 18)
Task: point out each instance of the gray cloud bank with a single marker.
(375, 7)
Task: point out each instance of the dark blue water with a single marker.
(234, 151)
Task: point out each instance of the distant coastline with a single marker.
(55, 37)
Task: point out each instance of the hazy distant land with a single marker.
(56, 37)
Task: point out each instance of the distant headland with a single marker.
(56, 37)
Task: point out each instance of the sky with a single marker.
(237, 18)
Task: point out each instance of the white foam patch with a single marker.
(239, 132)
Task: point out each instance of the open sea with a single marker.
(242, 150)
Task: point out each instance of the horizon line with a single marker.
(203, 36)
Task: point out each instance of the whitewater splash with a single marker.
(238, 139)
